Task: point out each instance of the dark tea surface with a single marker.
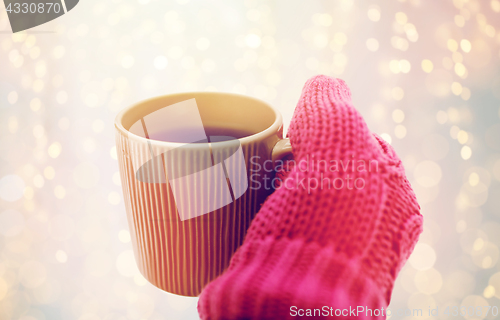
(214, 134)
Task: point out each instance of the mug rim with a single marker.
(261, 135)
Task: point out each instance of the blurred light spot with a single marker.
(454, 117)
(411, 32)
(323, 19)
(32, 274)
(427, 173)
(12, 124)
(127, 62)
(465, 93)
(114, 198)
(472, 239)
(62, 97)
(61, 256)
(40, 69)
(456, 88)
(459, 20)
(474, 303)
(372, 44)
(11, 223)
(125, 263)
(441, 117)
(340, 38)
(404, 66)
(487, 255)
(11, 187)
(495, 283)
(124, 236)
(112, 153)
(478, 244)
(495, 5)
(466, 152)
(86, 175)
(38, 85)
(462, 137)
(253, 15)
(401, 18)
(397, 93)
(428, 281)
(320, 40)
(489, 292)
(452, 45)
(374, 14)
(460, 69)
(457, 57)
(38, 131)
(400, 131)
(490, 31)
(35, 104)
(398, 116)
(59, 192)
(465, 45)
(252, 40)
(160, 62)
(399, 43)
(473, 179)
(202, 44)
(12, 97)
(54, 150)
(386, 137)
(29, 193)
(423, 257)
(394, 66)
(38, 181)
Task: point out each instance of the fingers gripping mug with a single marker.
(195, 171)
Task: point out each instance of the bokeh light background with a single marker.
(425, 74)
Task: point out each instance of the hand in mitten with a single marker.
(336, 232)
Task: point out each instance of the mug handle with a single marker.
(281, 149)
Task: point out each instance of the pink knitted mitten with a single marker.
(336, 233)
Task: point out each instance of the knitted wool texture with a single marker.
(336, 245)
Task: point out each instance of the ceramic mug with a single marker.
(190, 200)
